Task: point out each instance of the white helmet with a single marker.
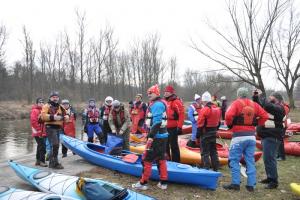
(108, 98)
(197, 96)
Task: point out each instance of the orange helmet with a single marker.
(154, 89)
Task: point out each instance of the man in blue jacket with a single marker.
(155, 149)
(193, 112)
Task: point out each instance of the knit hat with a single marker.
(206, 97)
(242, 92)
(197, 96)
(116, 103)
(54, 93)
(139, 95)
(65, 101)
(170, 89)
(92, 99)
(39, 100)
(154, 89)
(277, 95)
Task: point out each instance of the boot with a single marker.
(37, 163)
(232, 187)
(43, 164)
(58, 166)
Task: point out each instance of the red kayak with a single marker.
(224, 134)
(223, 151)
(294, 127)
(290, 148)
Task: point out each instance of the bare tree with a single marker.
(72, 60)
(173, 66)
(244, 52)
(284, 46)
(29, 62)
(3, 38)
(81, 22)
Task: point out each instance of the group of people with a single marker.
(48, 120)
(162, 119)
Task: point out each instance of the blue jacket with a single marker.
(158, 112)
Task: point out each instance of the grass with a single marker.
(288, 170)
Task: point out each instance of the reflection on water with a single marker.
(16, 140)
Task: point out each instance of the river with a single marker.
(16, 140)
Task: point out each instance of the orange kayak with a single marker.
(187, 156)
(223, 151)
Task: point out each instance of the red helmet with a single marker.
(170, 89)
(154, 89)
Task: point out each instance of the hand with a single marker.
(66, 118)
(179, 131)
(121, 132)
(113, 132)
(148, 143)
(57, 118)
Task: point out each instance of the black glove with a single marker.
(179, 131)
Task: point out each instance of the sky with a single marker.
(175, 21)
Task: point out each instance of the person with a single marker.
(38, 132)
(157, 140)
(242, 117)
(214, 100)
(119, 122)
(193, 113)
(208, 124)
(176, 116)
(53, 114)
(70, 126)
(281, 151)
(104, 113)
(90, 118)
(223, 106)
(271, 132)
(137, 113)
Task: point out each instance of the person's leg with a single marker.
(126, 136)
(270, 149)
(235, 154)
(98, 131)
(51, 135)
(37, 155)
(281, 151)
(90, 133)
(173, 141)
(205, 153)
(213, 154)
(43, 151)
(250, 162)
(64, 150)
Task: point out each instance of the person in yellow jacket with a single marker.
(53, 114)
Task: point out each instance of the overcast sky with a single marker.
(175, 21)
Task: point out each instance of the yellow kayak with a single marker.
(295, 188)
(186, 156)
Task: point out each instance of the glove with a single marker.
(67, 118)
(179, 131)
(121, 132)
(57, 118)
(113, 132)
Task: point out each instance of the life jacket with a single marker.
(106, 112)
(171, 113)
(93, 115)
(149, 116)
(121, 113)
(247, 117)
(272, 123)
(196, 109)
(213, 119)
(138, 110)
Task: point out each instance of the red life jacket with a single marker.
(171, 113)
(138, 110)
(69, 127)
(197, 109)
(247, 116)
(93, 115)
(213, 118)
(106, 112)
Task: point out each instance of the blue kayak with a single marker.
(65, 185)
(178, 173)
(8, 193)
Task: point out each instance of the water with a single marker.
(16, 140)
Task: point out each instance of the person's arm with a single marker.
(262, 115)
(111, 122)
(34, 118)
(191, 114)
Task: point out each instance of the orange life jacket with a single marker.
(138, 110)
